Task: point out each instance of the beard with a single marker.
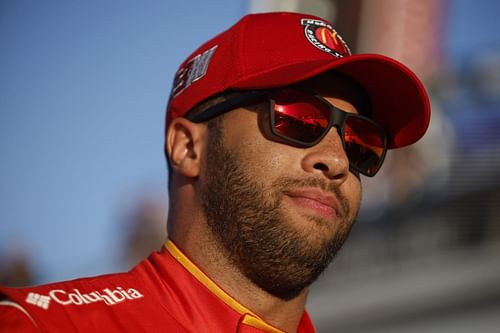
(245, 218)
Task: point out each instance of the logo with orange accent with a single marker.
(324, 37)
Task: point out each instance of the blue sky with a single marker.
(472, 27)
(83, 89)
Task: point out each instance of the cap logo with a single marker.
(324, 37)
(194, 70)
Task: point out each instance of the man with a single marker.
(270, 126)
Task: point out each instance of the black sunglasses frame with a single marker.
(242, 99)
(337, 119)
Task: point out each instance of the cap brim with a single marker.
(399, 101)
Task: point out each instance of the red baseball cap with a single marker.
(277, 49)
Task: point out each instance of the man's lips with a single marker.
(321, 202)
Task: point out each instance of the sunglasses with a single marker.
(303, 119)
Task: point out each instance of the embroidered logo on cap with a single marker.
(194, 70)
(324, 37)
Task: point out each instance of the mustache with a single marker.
(286, 182)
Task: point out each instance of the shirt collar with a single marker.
(249, 321)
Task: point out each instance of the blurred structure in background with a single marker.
(16, 267)
(425, 253)
(143, 228)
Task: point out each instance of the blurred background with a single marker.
(83, 88)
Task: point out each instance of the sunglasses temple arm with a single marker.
(232, 103)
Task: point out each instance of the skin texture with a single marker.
(262, 218)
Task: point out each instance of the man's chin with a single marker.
(297, 271)
(314, 231)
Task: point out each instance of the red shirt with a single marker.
(164, 293)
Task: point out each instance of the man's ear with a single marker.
(183, 145)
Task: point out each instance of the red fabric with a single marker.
(159, 295)
(13, 319)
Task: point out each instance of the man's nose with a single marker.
(328, 158)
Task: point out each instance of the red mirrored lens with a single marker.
(300, 116)
(305, 118)
(364, 143)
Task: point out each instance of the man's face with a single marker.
(279, 212)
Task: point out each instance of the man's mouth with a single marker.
(315, 200)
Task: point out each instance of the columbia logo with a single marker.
(63, 297)
(38, 300)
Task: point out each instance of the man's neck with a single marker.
(211, 258)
